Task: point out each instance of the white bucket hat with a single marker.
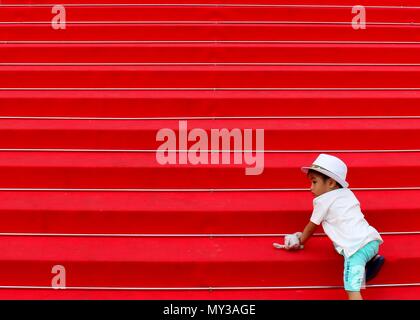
(331, 166)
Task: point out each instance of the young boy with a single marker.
(337, 208)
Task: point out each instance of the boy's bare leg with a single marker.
(353, 295)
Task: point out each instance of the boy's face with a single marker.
(318, 185)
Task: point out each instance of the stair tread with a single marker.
(222, 94)
(372, 293)
(205, 77)
(219, 103)
(128, 170)
(300, 2)
(208, 213)
(366, 134)
(279, 202)
(186, 249)
(290, 160)
(211, 53)
(210, 32)
(206, 13)
(198, 262)
(291, 125)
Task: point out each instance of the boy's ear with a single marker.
(332, 183)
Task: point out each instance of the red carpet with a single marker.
(80, 108)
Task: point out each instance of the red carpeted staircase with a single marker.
(80, 108)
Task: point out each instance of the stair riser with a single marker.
(208, 32)
(208, 103)
(209, 77)
(206, 13)
(186, 176)
(375, 293)
(300, 2)
(379, 134)
(198, 273)
(196, 221)
(211, 53)
(209, 212)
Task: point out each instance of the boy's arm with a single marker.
(308, 232)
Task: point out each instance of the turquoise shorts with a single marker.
(354, 266)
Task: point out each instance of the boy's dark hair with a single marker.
(323, 176)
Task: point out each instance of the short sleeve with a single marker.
(319, 213)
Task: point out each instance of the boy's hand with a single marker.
(292, 241)
(281, 246)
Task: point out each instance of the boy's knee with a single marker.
(354, 277)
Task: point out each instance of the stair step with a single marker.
(237, 2)
(209, 32)
(141, 170)
(372, 293)
(185, 262)
(207, 13)
(186, 213)
(279, 134)
(211, 53)
(208, 103)
(205, 77)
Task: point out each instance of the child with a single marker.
(337, 208)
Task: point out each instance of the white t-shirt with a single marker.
(343, 221)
